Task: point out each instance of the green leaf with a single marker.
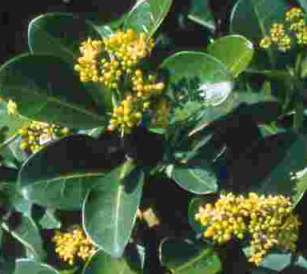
(56, 97)
(301, 186)
(59, 34)
(147, 15)
(255, 102)
(26, 266)
(29, 236)
(193, 210)
(9, 124)
(60, 175)
(110, 208)
(276, 261)
(10, 189)
(185, 257)
(49, 220)
(200, 13)
(253, 19)
(196, 179)
(288, 156)
(303, 4)
(213, 79)
(102, 263)
(235, 51)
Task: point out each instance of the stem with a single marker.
(298, 64)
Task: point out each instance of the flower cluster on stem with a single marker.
(72, 245)
(37, 134)
(115, 63)
(267, 221)
(293, 30)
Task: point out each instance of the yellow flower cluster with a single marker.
(128, 47)
(35, 135)
(88, 64)
(145, 88)
(114, 62)
(12, 108)
(72, 245)
(278, 37)
(121, 52)
(128, 114)
(267, 221)
(280, 33)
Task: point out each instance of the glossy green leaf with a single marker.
(211, 75)
(26, 266)
(284, 263)
(260, 106)
(185, 257)
(59, 34)
(147, 15)
(288, 156)
(276, 261)
(253, 19)
(200, 13)
(49, 220)
(102, 263)
(10, 188)
(235, 51)
(60, 175)
(9, 124)
(27, 234)
(193, 210)
(45, 89)
(303, 4)
(196, 179)
(301, 186)
(110, 208)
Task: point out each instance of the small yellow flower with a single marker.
(284, 43)
(265, 42)
(294, 15)
(301, 36)
(277, 32)
(87, 64)
(298, 26)
(145, 87)
(12, 108)
(110, 73)
(127, 115)
(37, 134)
(72, 245)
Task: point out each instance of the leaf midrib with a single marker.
(192, 261)
(57, 101)
(65, 177)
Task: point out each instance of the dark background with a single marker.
(182, 33)
(15, 16)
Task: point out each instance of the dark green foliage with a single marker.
(236, 123)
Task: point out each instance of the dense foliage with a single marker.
(128, 148)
